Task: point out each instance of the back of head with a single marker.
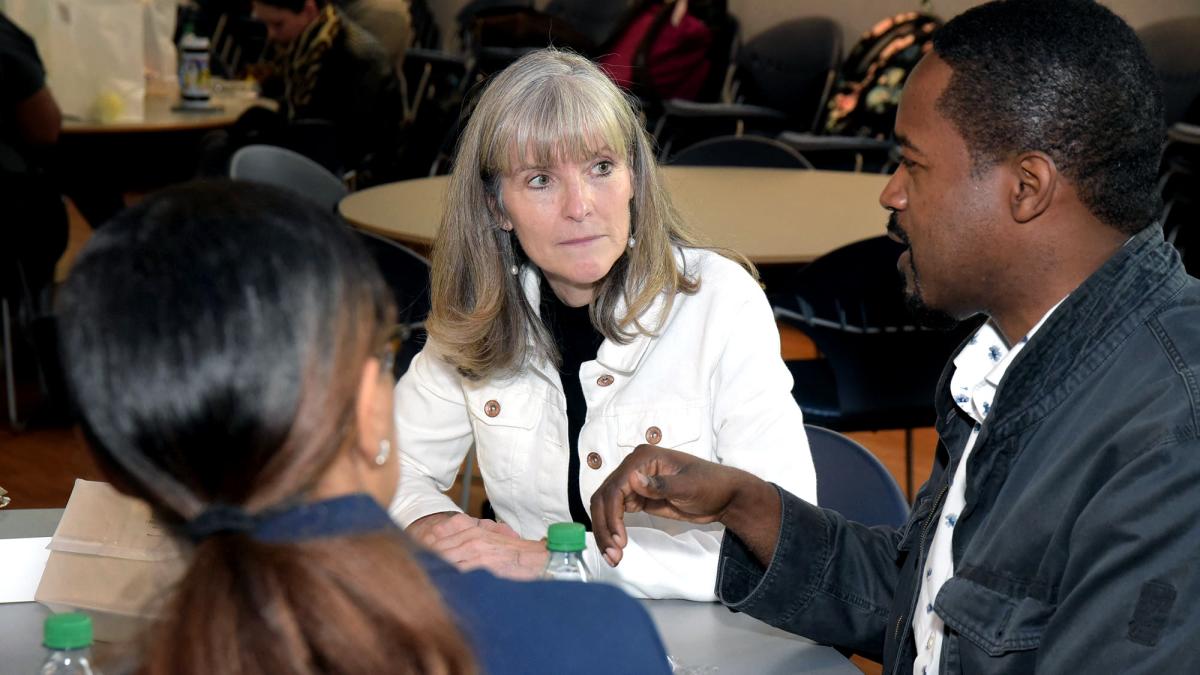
(213, 338)
(209, 333)
(1065, 77)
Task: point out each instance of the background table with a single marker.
(161, 115)
(101, 163)
(769, 215)
(695, 633)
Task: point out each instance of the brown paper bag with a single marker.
(111, 558)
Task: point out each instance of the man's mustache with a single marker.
(893, 227)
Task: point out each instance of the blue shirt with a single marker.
(515, 627)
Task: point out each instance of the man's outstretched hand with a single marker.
(677, 485)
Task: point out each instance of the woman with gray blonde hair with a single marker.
(575, 317)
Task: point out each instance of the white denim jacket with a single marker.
(711, 383)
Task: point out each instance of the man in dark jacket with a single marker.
(1060, 528)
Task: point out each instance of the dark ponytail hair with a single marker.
(213, 339)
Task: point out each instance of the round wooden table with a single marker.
(162, 114)
(769, 215)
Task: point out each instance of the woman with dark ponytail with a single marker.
(229, 351)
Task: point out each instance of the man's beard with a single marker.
(924, 315)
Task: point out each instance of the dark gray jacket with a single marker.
(1078, 550)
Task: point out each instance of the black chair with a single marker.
(598, 20)
(1174, 49)
(878, 369)
(495, 33)
(407, 274)
(781, 81)
(32, 239)
(843, 153)
(1179, 187)
(430, 75)
(426, 34)
(851, 481)
(237, 42)
(17, 306)
(741, 151)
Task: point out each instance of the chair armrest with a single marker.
(678, 107)
(803, 141)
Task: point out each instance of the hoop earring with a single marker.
(385, 449)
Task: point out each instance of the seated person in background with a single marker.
(331, 70)
(1059, 531)
(229, 349)
(33, 230)
(575, 316)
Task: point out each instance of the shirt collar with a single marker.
(981, 365)
(339, 516)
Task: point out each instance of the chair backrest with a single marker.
(1179, 187)
(290, 170)
(851, 303)
(597, 19)
(791, 67)
(407, 274)
(857, 284)
(851, 481)
(1174, 48)
(741, 151)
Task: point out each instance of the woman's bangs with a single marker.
(561, 123)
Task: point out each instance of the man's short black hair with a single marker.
(1065, 77)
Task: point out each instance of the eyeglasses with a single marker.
(387, 356)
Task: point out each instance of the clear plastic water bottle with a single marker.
(566, 542)
(69, 639)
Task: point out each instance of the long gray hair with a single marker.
(548, 106)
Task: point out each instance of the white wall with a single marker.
(855, 16)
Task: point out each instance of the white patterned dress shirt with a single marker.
(978, 370)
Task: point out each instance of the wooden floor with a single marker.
(39, 466)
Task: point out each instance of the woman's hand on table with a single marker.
(472, 543)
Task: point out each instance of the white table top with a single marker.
(712, 640)
(698, 635)
(769, 215)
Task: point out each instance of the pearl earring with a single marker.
(514, 270)
(632, 241)
(385, 449)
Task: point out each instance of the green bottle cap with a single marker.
(566, 537)
(68, 631)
